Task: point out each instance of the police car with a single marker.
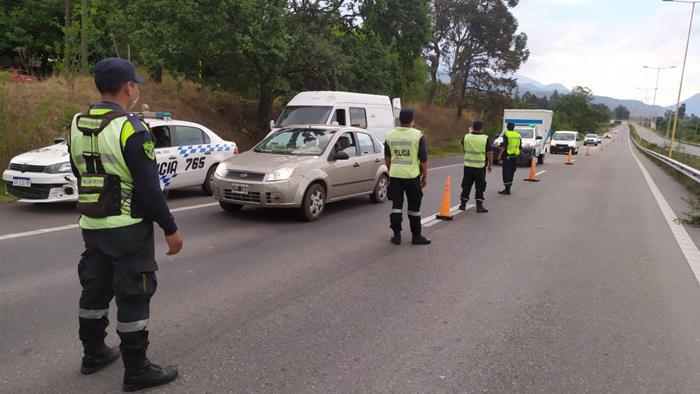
(187, 154)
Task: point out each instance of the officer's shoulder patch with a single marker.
(149, 149)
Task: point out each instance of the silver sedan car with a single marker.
(304, 167)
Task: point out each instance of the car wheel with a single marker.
(380, 190)
(206, 186)
(314, 203)
(230, 207)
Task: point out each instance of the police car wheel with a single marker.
(206, 186)
(229, 207)
(314, 203)
(380, 190)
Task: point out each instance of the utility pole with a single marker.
(83, 36)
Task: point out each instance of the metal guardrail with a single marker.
(685, 169)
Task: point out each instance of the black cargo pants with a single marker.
(118, 263)
(414, 194)
(473, 176)
(510, 164)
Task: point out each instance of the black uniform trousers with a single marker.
(510, 164)
(414, 194)
(473, 176)
(119, 263)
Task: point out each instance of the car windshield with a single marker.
(591, 136)
(525, 132)
(564, 136)
(297, 142)
(297, 115)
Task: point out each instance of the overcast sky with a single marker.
(603, 44)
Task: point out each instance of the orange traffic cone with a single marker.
(533, 172)
(588, 154)
(445, 205)
(570, 158)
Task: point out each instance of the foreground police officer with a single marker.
(511, 146)
(476, 157)
(406, 158)
(112, 154)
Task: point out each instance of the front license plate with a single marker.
(240, 189)
(21, 182)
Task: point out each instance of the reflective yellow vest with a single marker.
(513, 148)
(475, 150)
(108, 144)
(404, 143)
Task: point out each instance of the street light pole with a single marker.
(680, 88)
(656, 90)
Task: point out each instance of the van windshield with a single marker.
(303, 115)
(564, 137)
(525, 132)
(297, 142)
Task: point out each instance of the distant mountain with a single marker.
(526, 84)
(636, 107)
(692, 105)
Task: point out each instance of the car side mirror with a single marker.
(272, 124)
(341, 156)
(539, 137)
(58, 140)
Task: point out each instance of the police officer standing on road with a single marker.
(406, 158)
(477, 156)
(112, 155)
(512, 143)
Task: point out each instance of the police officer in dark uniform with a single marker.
(478, 158)
(112, 155)
(511, 146)
(406, 158)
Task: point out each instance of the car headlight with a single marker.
(221, 170)
(60, 168)
(280, 175)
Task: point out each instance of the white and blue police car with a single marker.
(187, 154)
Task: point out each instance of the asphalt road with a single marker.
(574, 284)
(646, 134)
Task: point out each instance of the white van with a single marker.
(378, 114)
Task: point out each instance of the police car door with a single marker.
(166, 156)
(193, 155)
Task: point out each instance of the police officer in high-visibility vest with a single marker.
(406, 158)
(512, 144)
(478, 158)
(113, 158)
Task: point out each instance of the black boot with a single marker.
(148, 375)
(396, 239)
(480, 207)
(463, 205)
(98, 356)
(420, 240)
(505, 191)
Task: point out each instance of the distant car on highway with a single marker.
(607, 136)
(563, 142)
(187, 155)
(304, 167)
(591, 139)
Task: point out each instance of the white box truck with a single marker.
(378, 114)
(535, 128)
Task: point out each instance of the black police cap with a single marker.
(115, 70)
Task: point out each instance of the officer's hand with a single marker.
(490, 169)
(174, 243)
(423, 182)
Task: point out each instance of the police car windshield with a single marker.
(564, 136)
(303, 115)
(525, 132)
(297, 142)
(591, 135)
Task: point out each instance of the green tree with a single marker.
(621, 112)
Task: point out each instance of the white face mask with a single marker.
(136, 100)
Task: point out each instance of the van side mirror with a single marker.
(272, 124)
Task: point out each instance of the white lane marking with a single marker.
(690, 251)
(74, 226)
(433, 220)
(540, 173)
(37, 232)
(450, 166)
